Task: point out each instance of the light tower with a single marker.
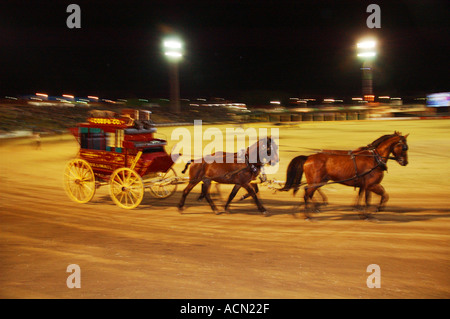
(173, 52)
(366, 52)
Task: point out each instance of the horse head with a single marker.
(393, 143)
(400, 150)
(268, 151)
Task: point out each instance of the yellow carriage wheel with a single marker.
(126, 188)
(164, 184)
(79, 181)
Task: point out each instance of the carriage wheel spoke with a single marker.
(88, 188)
(131, 198)
(133, 181)
(161, 187)
(121, 196)
(79, 181)
(133, 192)
(126, 188)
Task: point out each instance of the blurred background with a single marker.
(239, 61)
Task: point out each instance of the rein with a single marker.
(350, 153)
(366, 155)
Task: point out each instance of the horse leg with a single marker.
(379, 190)
(309, 193)
(364, 213)
(358, 199)
(207, 184)
(186, 191)
(203, 193)
(218, 190)
(233, 193)
(324, 197)
(252, 193)
(255, 186)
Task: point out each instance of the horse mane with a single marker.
(255, 147)
(380, 140)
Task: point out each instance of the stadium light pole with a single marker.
(173, 52)
(366, 50)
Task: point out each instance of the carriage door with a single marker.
(114, 141)
(92, 138)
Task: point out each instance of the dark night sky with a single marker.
(232, 47)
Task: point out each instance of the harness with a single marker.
(254, 169)
(379, 163)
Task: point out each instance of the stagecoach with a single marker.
(120, 150)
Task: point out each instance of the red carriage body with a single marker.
(120, 150)
(110, 143)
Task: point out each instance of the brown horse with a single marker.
(238, 172)
(294, 175)
(362, 168)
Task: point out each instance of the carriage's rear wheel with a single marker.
(164, 184)
(79, 181)
(126, 188)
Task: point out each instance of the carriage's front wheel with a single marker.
(126, 188)
(79, 181)
(164, 184)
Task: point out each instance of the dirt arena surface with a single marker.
(155, 252)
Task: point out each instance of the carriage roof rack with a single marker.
(143, 115)
(103, 114)
(140, 119)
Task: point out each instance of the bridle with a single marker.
(404, 149)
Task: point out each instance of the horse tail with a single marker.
(186, 167)
(294, 174)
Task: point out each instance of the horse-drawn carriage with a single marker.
(120, 150)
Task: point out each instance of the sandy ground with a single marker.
(154, 252)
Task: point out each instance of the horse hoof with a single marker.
(371, 219)
(180, 210)
(368, 218)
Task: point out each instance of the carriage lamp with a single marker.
(173, 52)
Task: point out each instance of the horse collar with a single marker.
(379, 160)
(253, 167)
